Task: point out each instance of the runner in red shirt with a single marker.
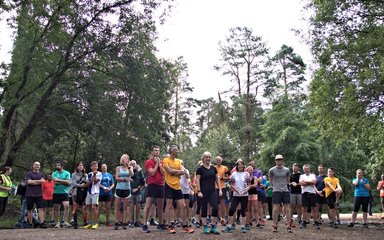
(47, 188)
(155, 189)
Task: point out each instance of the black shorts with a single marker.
(186, 196)
(308, 199)
(34, 200)
(47, 203)
(281, 198)
(119, 193)
(59, 198)
(331, 199)
(261, 197)
(155, 191)
(105, 198)
(224, 196)
(171, 193)
(363, 201)
(321, 199)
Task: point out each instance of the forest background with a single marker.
(85, 83)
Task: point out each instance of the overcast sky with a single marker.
(196, 26)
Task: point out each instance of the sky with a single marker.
(195, 27)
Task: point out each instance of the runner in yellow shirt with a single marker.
(333, 192)
(173, 171)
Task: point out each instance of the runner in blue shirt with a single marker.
(105, 195)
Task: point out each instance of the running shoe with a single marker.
(291, 224)
(233, 226)
(95, 226)
(289, 230)
(333, 225)
(138, 224)
(44, 225)
(88, 226)
(214, 230)
(303, 224)
(247, 227)
(153, 222)
(227, 230)
(351, 225)
(274, 228)
(223, 222)
(243, 230)
(171, 230)
(187, 229)
(206, 229)
(124, 225)
(116, 227)
(262, 221)
(365, 225)
(145, 229)
(162, 227)
(65, 224)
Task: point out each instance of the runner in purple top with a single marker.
(258, 174)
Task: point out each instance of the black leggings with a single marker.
(363, 201)
(3, 204)
(235, 202)
(210, 198)
(198, 204)
(269, 201)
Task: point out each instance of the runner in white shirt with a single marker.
(307, 182)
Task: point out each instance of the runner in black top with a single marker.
(206, 178)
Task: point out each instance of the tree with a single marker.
(347, 90)
(181, 105)
(289, 74)
(244, 58)
(287, 131)
(59, 48)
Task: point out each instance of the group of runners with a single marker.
(212, 196)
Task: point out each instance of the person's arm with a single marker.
(302, 181)
(98, 177)
(218, 185)
(366, 184)
(379, 185)
(2, 187)
(152, 171)
(330, 186)
(66, 181)
(312, 181)
(118, 178)
(355, 181)
(198, 186)
(254, 185)
(270, 177)
(248, 183)
(173, 172)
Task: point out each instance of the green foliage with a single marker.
(80, 77)
(220, 140)
(289, 74)
(346, 94)
(286, 131)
